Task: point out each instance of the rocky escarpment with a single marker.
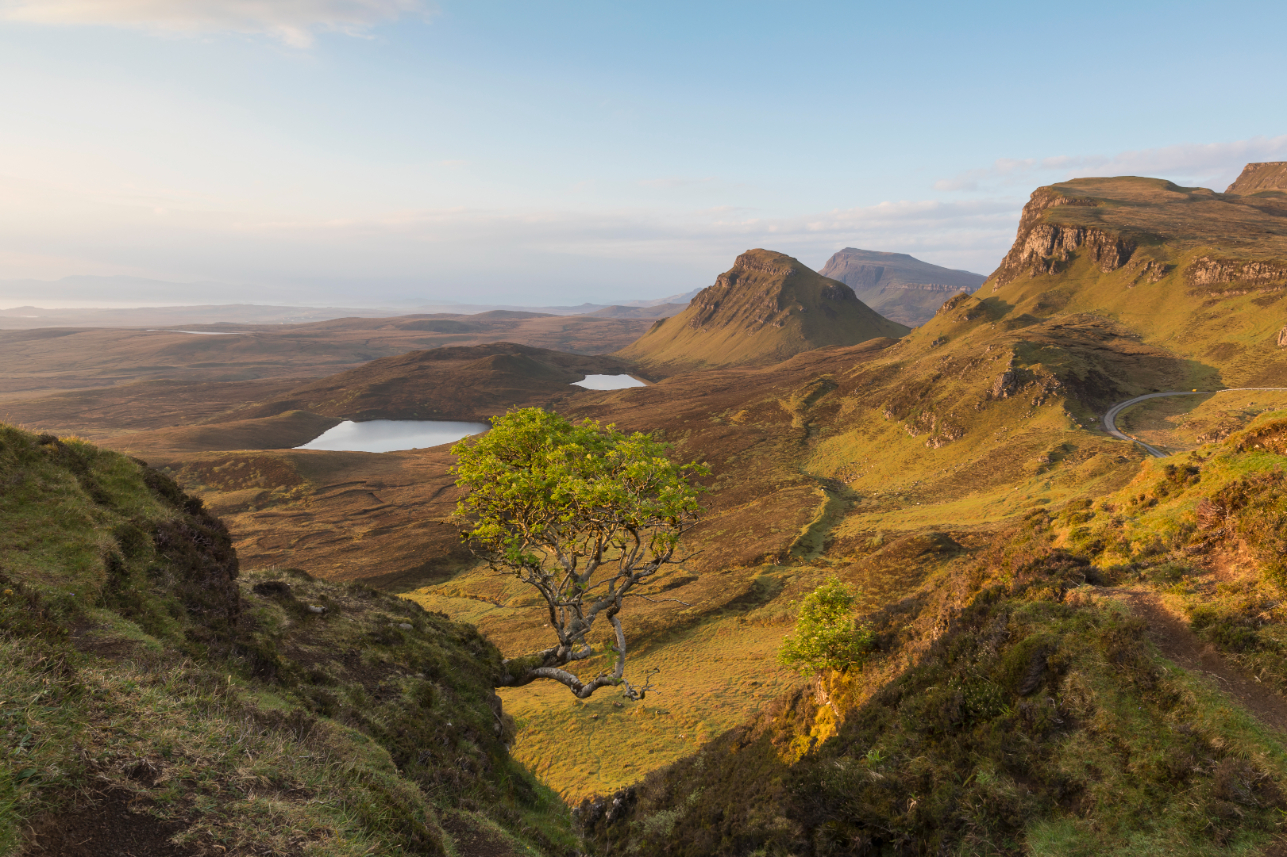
(1042, 247)
(927, 287)
(1256, 178)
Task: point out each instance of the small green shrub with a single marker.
(827, 634)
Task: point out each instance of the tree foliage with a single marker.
(583, 513)
(827, 634)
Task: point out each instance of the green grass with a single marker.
(133, 662)
(714, 665)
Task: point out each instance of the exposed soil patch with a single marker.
(472, 841)
(1171, 634)
(106, 828)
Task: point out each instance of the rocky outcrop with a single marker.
(752, 261)
(1214, 275)
(708, 303)
(1044, 248)
(1282, 338)
(1149, 271)
(1255, 178)
(971, 308)
(1007, 384)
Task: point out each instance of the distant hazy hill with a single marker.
(456, 383)
(766, 308)
(658, 311)
(898, 286)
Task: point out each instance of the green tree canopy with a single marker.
(583, 513)
(827, 634)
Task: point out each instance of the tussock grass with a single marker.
(132, 661)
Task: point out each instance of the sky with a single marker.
(402, 152)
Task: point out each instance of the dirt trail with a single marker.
(1171, 633)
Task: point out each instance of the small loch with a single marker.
(392, 435)
(608, 382)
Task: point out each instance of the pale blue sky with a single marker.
(366, 151)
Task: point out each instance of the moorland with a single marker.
(1076, 645)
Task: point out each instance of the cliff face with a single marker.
(1271, 175)
(1202, 273)
(1043, 248)
(1215, 275)
(898, 286)
(766, 308)
(1241, 241)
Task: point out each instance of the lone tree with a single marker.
(585, 515)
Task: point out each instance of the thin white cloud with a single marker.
(1212, 165)
(293, 22)
(48, 231)
(675, 182)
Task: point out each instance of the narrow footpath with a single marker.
(1177, 642)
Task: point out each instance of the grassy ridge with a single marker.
(144, 681)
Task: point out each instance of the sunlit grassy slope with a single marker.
(1020, 702)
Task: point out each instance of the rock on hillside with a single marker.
(1255, 178)
(764, 309)
(454, 383)
(899, 286)
(1196, 272)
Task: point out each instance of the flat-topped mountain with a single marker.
(1255, 178)
(898, 286)
(1200, 273)
(766, 308)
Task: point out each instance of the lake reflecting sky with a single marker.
(608, 382)
(392, 435)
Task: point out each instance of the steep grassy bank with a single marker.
(153, 697)
(1032, 699)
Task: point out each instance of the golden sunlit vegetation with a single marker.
(1045, 602)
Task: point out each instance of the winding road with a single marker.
(1110, 418)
